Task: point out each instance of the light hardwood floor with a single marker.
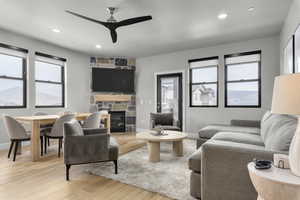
(45, 180)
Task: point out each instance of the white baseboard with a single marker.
(5, 146)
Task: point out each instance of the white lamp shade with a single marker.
(286, 95)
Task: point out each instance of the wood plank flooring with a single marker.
(45, 180)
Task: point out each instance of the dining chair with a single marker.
(92, 121)
(57, 130)
(44, 128)
(17, 134)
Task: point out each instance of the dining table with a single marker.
(36, 121)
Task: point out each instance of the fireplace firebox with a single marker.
(117, 120)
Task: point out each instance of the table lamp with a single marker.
(286, 100)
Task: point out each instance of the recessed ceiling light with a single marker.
(251, 9)
(98, 46)
(55, 30)
(223, 16)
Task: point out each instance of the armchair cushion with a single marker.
(92, 131)
(171, 128)
(73, 128)
(113, 149)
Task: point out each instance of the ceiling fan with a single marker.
(112, 24)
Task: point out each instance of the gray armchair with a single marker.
(165, 121)
(83, 146)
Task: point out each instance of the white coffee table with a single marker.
(275, 183)
(154, 143)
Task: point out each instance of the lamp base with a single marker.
(294, 153)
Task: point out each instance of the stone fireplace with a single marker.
(114, 102)
(122, 109)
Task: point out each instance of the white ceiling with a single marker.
(176, 24)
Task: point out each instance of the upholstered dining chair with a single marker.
(92, 121)
(45, 127)
(17, 134)
(82, 146)
(57, 131)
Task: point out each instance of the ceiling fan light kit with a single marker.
(112, 24)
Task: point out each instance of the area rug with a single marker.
(169, 177)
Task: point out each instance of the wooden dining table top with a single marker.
(47, 118)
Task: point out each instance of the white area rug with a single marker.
(170, 177)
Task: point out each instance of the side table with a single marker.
(275, 183)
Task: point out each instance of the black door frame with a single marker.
(180, 95)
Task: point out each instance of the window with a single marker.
(243, 80)
(12, 76)
(49, 81)
(204, 82)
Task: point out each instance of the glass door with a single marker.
(169, 95)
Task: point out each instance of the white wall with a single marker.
(77, 78)
(178, 61)
(291, 23)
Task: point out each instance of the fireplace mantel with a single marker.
(111, 98)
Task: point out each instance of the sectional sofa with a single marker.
(219, 166)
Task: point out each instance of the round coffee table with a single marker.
(154, 143)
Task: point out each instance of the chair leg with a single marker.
(116, 166)
(10, 148)
(45, 144)
(48, 141)
(67, 171)
(59, 146)
(42, 148)
(16, 150)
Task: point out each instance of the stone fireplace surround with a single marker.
(116, 102)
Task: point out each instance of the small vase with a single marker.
(294, 153)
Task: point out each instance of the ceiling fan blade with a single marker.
(87, 18)
(135, 20)
(113, 34)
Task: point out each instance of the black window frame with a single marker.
(62, 83)
(203, 83)
(24, 74)
(243, 80)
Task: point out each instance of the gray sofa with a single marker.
(219, 166)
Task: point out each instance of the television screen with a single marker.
(112, 80)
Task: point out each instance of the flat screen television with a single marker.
(113, 80)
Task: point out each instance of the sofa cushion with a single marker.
(245, 138)
(195, 161)
(277, 131)
(210, 130)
